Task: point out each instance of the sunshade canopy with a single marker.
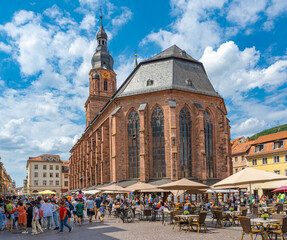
(184, 184)
(139, 186)
(46, 192)
(113, 188)
(281, 189)
(249, 176)
(91, 191)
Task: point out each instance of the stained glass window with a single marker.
(158, 143)
(185, 143)
(134, 145)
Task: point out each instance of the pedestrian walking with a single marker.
(63, 218)
(80, 211)
(56, 215)
(36, 227)
(22, 217)
(29, 213)
(1, 217)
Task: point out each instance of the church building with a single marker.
(166, 121)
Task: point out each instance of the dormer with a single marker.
(259, 148)
(278, 144)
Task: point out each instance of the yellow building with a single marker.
(269, 153)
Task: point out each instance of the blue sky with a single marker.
(46, 48)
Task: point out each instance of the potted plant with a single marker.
(265, 216)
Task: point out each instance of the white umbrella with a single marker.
(184, 184)
(139, 186)
(113, 188)
(249, 176)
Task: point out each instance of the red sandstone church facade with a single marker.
(166, 121)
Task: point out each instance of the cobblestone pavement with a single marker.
(144, 230)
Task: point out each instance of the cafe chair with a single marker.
(277, 229)
(235, 217)
(179, 222)
(199, 222)
(220, 218)
(248, 229)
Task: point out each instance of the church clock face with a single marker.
(106, 74)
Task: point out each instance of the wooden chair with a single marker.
(147, 213)
(236, 218)
(179, 222)
(277, 229)
(247, 229)
(220, 219)
(200, 222)
(255, 212)
(213, 215)
(279, 208)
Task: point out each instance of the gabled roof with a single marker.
(271, 137)
(234, 142)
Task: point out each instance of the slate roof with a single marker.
(170, 69)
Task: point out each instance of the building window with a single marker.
(44, 167)
(276, 159)
(51, 175)
(278, 144)
(66, 175)
(185, 142)
(242, 158)
(158, 143)
(36, 166)
(134, 145)
(57, 167)
(259, 148)
(35, 174)
(277, 171)
(235, 159)
(44, 174)
(51, 183)
(57, 175)
(51, 167)
(66, 184)
(264, 161)
(285, 172)
(285, 158)
(105, 85)
(254, 162)
(208, 144)
(57, 183)
(236, 170)
(36, 182)
(44, 182)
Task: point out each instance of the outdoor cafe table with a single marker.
(232, 212)
(264, 222)
(186, 216)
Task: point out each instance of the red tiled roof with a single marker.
(234, 142)
(271, 137)
(241, 148)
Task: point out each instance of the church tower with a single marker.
(103, 83)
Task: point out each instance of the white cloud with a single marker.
(244, 13)
(234, 72)
(276, 8)
(122, 19)
(248, 127)
(193, 30)
(55, 57)
(5, 48)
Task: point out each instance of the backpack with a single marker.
(69, 213)
(41, 214)
(71, 206)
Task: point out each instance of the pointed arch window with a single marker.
(158, 143)
(134, 144)
(185, 142)
(208, 134)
